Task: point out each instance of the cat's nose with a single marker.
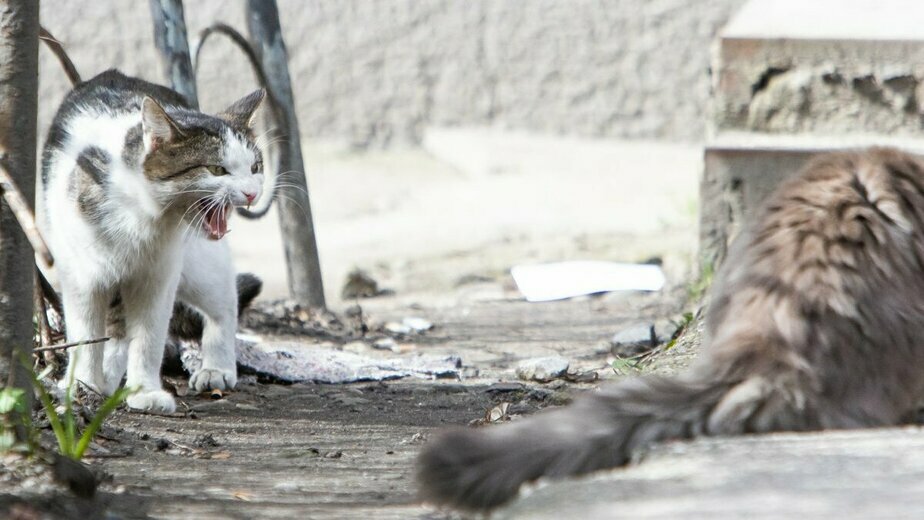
(250, 197)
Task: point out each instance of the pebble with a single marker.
(634, 340)
(386, 344)
(504, 387)
(417, 324)
(542, 369)
(286, 486)
(397, 328)
(356, 347)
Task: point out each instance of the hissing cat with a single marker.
(816, 321)
(138, 191)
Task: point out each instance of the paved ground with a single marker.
(347, 451)
(833, 475)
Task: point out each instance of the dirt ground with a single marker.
(347, 451)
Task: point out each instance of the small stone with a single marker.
(386, 344)
(398, 328)
(286, 486)
(205, 440)
(504, 387)
(356, 347)
(359, 284)
(417, 324)
(76, 475)
(634, 340)
(542, 369)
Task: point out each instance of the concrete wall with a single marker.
(377, 72)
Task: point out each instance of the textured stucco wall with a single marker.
(377, 72)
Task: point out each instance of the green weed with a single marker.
(71, 443)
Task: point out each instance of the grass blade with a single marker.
(109, 406)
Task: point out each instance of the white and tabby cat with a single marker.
(138, 190)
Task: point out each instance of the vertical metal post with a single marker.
(173, 46)
(295, 218)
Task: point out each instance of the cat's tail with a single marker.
(479, 469)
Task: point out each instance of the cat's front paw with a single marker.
(155, 401)
(213, 379)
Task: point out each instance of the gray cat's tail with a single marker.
(479, 469)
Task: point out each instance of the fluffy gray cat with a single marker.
(815, 322)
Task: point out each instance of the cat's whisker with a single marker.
(210, 206)
(202, 207)
(176, 198)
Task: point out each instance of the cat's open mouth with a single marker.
(215, 220)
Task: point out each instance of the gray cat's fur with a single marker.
(815, 322)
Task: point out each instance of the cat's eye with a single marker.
(256, 167)
(217, 169)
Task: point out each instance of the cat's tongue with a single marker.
(216, 221)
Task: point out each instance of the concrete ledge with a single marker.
(742, 169)
(823, 66)
(829, 20)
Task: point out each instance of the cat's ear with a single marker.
(240, 113)
(157, 127)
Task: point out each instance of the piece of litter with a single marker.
(557, 281)
(294, 362)
(497, 413)
(242, 495)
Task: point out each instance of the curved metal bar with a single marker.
(55, 46)
(242, 44)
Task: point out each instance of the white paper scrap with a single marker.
(560, 280)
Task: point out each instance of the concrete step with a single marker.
(742, 168)
(821, 66)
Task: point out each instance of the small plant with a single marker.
(628, 365)
(680, 326)
(12, 406)
(64, 425)
(697, 289)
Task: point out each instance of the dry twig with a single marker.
(23, 213)
(63, 346)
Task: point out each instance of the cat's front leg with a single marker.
(148, 303)
(219, 359)
(208, 284)
(85, 319)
